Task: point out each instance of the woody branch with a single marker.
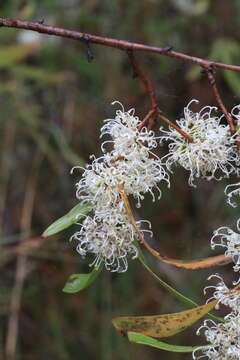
(114, 43)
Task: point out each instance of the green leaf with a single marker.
(78, 282)
(147, 340)
(78, 212)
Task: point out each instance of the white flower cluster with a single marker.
(224, 295)
(230, 240)
(212, 154)
(224, 337)
(108, 233)
(233, 190)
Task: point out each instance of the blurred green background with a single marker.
(53, 103)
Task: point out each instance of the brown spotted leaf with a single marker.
(162, 325)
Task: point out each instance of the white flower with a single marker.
(230, 240)
(139, 169)
(99, 183)
(108, 234)
(126, 135)
(223, 337)
(213, 151)
(109, 237)
(224, 295)
(230, 194)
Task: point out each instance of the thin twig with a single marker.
(130, 47)
(217, 95)
(146, 119)
(170, 123)
(137, 72)
(119, 44)
(155, 111)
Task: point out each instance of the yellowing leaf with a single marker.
(197, 264)
(162, 325)
(185, 264)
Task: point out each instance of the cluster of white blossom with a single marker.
(212, 154)
(108, 232)
(224, 337)
(233, 190)
(224, 295)
(230, 240)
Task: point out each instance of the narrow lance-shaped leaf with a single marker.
(202, 263)
(74, 215)
(147, 340)
(185, 264)
(162, 325)
(78, 282)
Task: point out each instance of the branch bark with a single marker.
(114, 43)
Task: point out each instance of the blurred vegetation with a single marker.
(53, 103)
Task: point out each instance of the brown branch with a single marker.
(119, 44)
(144, 79)
(146, 119)
(155, 111)
(137, 72)
(212, 81)
(130, 47)
(170, 123)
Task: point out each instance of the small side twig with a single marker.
(170, 123)
(137, 72)
(212, 81)
(155, 112)
(146, 118)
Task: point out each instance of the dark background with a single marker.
(53, 103)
